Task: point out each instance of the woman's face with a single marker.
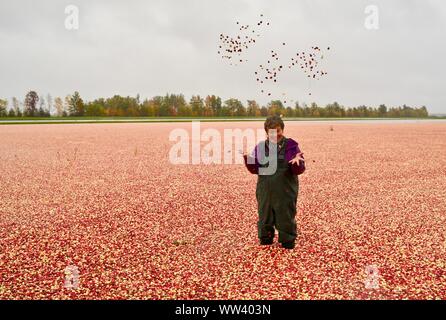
(275, 136)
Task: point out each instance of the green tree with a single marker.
(363, 111)
(422, 112)
(298, 111)
(173, 103)
(76, 105)
(3, 108)
(306, 110)
(159, 108)
(314, 110)
(147, 108)
(334, 110)
(275, 107)
(31, 100)
(214, 104)
(234, 107)
(95, 108)
(197, 106)
(253, 109)
(289, 112)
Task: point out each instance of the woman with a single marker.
(276, 190)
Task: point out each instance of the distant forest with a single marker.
(176, 105)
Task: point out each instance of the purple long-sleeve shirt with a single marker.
(292, 149)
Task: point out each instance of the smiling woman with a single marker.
(277, 184)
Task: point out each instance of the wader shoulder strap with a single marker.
(282, 151)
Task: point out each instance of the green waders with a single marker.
(277, 200)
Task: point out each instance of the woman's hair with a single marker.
(272, 122)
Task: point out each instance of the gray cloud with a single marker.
(154, 47)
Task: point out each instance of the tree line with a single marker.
(176, 105)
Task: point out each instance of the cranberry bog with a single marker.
(103, 204)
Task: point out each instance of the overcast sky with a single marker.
(154, 47)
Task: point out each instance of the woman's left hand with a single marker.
(297, 158)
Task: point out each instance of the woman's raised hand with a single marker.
(297, 158)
